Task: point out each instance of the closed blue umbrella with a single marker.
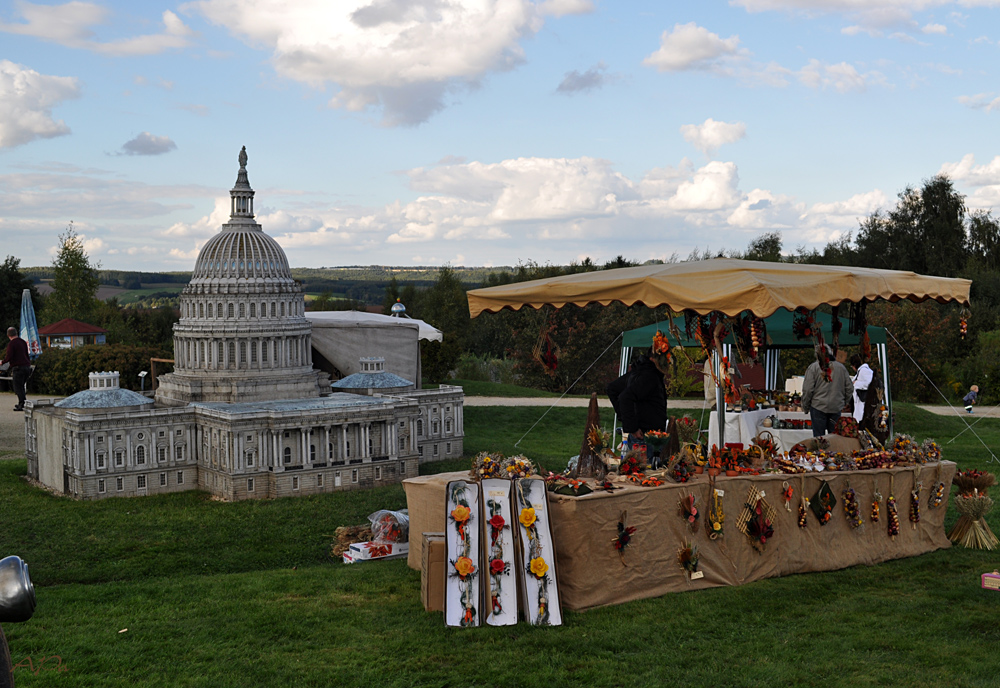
(29, 327)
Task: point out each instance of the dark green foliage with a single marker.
(12, 283)
(137, 327)
(765, 247)
(66, 371)
(74, 282)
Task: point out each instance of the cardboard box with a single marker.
(432, 563)
(369, 551)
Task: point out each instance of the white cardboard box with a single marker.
(368, 551)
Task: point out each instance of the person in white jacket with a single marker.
(863, 375)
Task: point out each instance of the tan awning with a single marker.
(722, 284)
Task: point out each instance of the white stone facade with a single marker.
(244, 415)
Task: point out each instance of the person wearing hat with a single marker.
(825, 390)
(20, 364)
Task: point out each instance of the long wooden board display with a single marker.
(499, 564)
(463, 592)
(538, 561)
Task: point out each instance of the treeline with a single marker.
(929, 231)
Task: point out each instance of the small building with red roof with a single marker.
(69, 333)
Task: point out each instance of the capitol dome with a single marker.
(242, 334)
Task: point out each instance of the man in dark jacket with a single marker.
(639, 398)
(20, 364)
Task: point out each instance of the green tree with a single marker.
(765, 247)
(74, 283)
(12, 283)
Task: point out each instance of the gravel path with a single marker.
(12, 426)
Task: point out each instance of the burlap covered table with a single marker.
(591, 573)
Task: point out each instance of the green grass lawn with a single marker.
(243, 594)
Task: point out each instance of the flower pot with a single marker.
(732, 473)
(713, 472)
(699, 469)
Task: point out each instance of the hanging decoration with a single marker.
(660, 350)
(786, 494)
(803, 323)
(624, 538)
(858, 320)
(756, 521)
(688, 511)
(463, 552)
(893, 514)
(750, 334)
(687, 557)
(716, 517)
(915, 504)
(937, 494)
(851, 508)
(803, 505)
(835, 327)
(963, 322)
(876, 506)
(546, 351)
(823, 502)
(500, 553)
(537, 552)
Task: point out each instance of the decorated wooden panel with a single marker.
(500, 567)
(463, 592)
(538, 570)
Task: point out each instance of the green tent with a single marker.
(779, 336)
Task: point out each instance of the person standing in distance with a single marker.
(20, 364)
(862, 379)
(825, 391)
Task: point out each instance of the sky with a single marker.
(485, 132)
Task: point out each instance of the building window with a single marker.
(161, 433)
(447, 425)
(420, 451)
(253, 310)
(243, 310)
(295, 482)
(179, 452)
(249, 438)
(140, 482)
(249, 484)
(118, 438)
(402, 444)
(210, 311)
(319, 480)
(371, 446)
(288, 454)
(101, 487)
(253, 352)
(402, 468)
(180, 477)
(434, 427)
(161, 453)
(100, 439)
(119, 484)
(263, 352)
(249, 458)
(243, 353)
(232, 354)
(282, 309)
(329, 451)
(163, 479)
(347, 448)
(119, 458)
(201, 310)
(420, 428)
(100, 460)
(447, 448)
(287, 434)
(140, 455)
(140, 436)
(274, 309)
(435, 450)
(378, 472)
(232, 311)
(312, 452)
(179, 433)
(354, 475)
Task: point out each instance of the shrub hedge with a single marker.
(65, 371)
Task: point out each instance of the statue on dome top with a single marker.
(243, 157)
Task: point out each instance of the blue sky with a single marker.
(485, 132)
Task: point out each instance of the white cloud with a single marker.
(690, 46)
(576, 82)
(561, 8)
(26, 102)
(203, 227)
(859, 205)
(714, 187)
(404, 56)
(842, 77)
(934, 29)
(968, 172)
(148, 144)
(70, 25)
(981, 101)
(710, 134)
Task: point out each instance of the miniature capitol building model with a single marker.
(244, 414)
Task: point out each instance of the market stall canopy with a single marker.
(779, 333)
(723, 285)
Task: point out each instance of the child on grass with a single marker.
(970, 398)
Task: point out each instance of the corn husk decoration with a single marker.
(971, 530)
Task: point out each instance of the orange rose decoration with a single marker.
(460, 513)
(464, 566)
(539, 567)
(527, 517)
